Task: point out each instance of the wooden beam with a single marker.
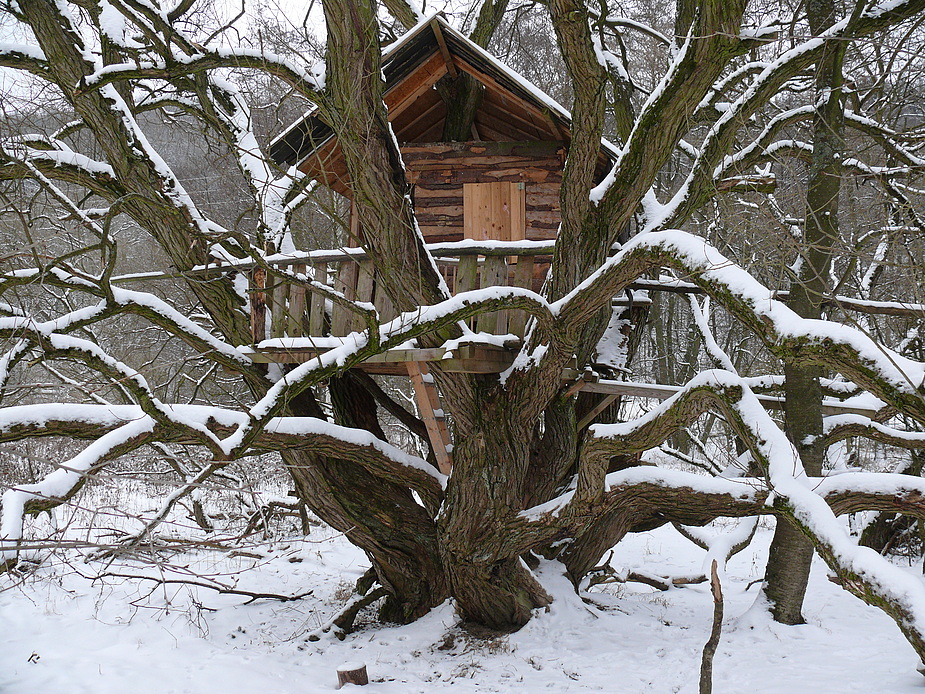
(444, 51)
(491, 83)
(597, 409)
(658, 391)
(404, 94)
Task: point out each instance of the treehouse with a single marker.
(488, 209)
(500, 186)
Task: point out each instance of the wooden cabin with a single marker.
(502, 185)
(462, 190)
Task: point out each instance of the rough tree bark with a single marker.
(791, 553)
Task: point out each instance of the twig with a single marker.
(709, 650)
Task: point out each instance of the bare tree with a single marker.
(528, 475)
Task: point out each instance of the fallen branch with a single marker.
(217, 587)
(342, 623)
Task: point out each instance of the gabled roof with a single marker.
(512, 109)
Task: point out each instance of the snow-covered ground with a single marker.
(60, 631)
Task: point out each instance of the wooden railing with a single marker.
(281, 307)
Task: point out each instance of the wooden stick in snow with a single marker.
(706, 664)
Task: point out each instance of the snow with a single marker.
(63, 632)
(612, 348)
(23, 49)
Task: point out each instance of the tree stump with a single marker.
(352, 673)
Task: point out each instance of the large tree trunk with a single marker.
(491, 457)
(791, 551)
(397, 533)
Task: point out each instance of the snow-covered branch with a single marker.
(890, 376)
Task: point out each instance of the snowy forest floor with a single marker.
(63, 631)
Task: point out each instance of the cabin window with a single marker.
(494, 211)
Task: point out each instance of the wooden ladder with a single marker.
(428, 401)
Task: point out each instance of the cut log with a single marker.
(352, 673)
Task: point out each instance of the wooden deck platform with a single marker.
(467, 358)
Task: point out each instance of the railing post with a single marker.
(278, 318)
(494, 274)
(258, 282)
(297, 305)
(346, 283)
(523, 277)
(316, 320)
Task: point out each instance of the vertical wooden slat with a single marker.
(494, 274)
(346, 282)
(467, 274)
(279, 317)
(523, 277)
(297, 306)
(428, 401)
(365, 286)
(316, 311)
(467, 277)
(471, 229)
(258, 282)
(517, 231)
(383, 303)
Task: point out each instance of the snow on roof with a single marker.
(400, 59)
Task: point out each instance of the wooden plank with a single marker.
(316, 317)
(523, 277)
(258, 282)
(499, 110)
(467, 274)
(299, 355)
(444, 51)
(383, 303)
(297, 306)
(403, 95)
(524, 148)
(414, 123)
(511, 127)
(476, 366)
(663, 392)
(606, 402)
(346, 283)
(279, 315)
(494, 274)
(467, 278)
(517, 199)
(431, 414)
(365, 287)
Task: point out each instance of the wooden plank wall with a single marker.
(438, 172)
